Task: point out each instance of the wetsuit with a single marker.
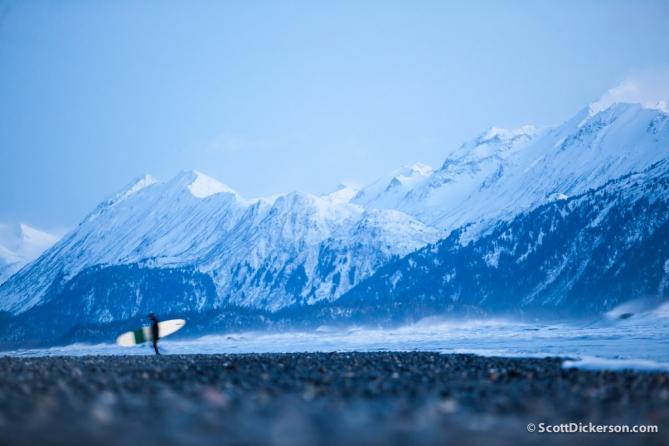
(155, 334)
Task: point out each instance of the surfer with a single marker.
(155, 334)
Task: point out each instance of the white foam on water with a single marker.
(595, 345)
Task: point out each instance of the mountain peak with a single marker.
(631, 92)
(496, 134)
(494, 142)
(422, 169)
(136, 185)
(31, 234)
(662, 106)
(385, 192)
(20, 244)
(131, 188)
(341, 194)
(597, 110)
(203, 186)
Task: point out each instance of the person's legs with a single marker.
(155, 346)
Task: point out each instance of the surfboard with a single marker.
(143, 334)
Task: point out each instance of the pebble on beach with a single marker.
(321, 398)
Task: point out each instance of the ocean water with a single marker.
(619, 340)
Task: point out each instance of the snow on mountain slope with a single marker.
(576, 257)
(19, 245)
(134, 186)
(464, 174)
(250, 249)
(386, 192)
(572, 159)
(502, 173)
(321, 249)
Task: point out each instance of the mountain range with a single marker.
(570, 220)
(502, 173)
(571, 257)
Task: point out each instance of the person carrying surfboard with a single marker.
(155, 332)
(151, 332)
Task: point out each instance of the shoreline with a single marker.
(589, 363)
(321, 398)
(190, 347)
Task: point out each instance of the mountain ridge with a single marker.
(501, 172)
(245, 246)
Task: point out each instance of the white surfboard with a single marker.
(143, 334)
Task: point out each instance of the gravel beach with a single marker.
(395, 398)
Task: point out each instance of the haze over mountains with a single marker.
(566, 219)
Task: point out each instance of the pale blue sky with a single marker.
(273, 96)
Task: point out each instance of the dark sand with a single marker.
(396, 398)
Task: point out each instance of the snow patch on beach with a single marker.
(595, 363)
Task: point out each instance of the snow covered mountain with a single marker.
(19, 245)
(502, 173)
(193, 232)
(536, 216)
(576, 257)
(387, 191)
